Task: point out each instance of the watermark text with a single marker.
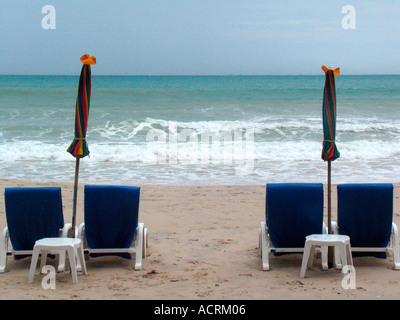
(188, 146)
(349, 20)
(49, 20)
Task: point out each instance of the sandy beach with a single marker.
(203, 244)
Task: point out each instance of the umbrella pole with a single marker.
(329, 198)
(75, 196)
(330, 251)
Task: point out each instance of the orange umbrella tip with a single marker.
(336, 72)
(87, 59)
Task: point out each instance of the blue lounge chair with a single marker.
(365, 214)
(111, 224)
(293, 211)
(32, 214)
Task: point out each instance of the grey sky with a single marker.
(205, 37)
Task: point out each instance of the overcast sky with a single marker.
(200, 37)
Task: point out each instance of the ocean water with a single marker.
(196, 130)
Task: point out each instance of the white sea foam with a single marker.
(187, 162)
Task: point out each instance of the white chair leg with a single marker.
(395, 246)
(81, 264)
(72, 262)
(78, 261)
(61, 262)
(145, 243)
(349, 255)
(311, 257)
(35, 256)
(264, 247)
(147, 239)
(43, 259)
(305, 262)
(4, 249)
(337, 263)
(324, 257)
(343, 255)
(139, 247)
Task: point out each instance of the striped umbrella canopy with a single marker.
(79, 148)
(329, 149)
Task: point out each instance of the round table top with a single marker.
(55, 242)
(328, 237)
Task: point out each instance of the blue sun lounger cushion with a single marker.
(33, 214)
(365, 214)
(293, 211)
(111, 217)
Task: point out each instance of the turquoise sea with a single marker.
(194, 130)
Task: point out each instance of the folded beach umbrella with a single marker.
(79, 148)
(329, 149)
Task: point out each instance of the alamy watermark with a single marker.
(188, 146)
(349, 279)
(49, 20)
(49, 280)
(349, 20)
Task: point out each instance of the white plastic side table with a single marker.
(341, 243)
(59, 245)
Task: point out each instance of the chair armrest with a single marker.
(80, 232)
(335, 227)
(5, 233)
(64, 231)
(4, 239)
(395, 233)
(324, 228)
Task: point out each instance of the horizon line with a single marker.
(204, 75)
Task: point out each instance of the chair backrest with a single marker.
(293, 211)
(33, 214)
(111, 215)
(365, 214)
